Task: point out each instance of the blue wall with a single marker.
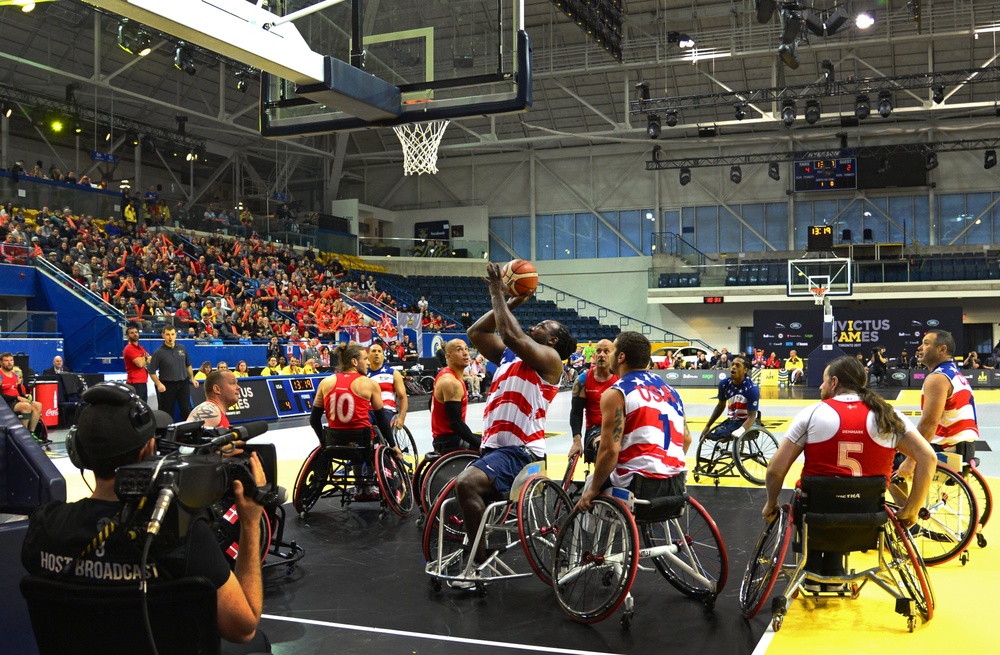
(17, 281)
(39, 351)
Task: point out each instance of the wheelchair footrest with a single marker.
(904, 606)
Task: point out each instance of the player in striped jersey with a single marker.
(390, 381)
(743, 399)
(643, 432)
(529, 368)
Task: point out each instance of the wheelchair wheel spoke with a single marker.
(948, 523)
(700, 567)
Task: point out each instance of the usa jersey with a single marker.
(740, 398)
(653, 440)
(384, 378)
(841, 439)
(345, 410)
(594, 390)
(958, 420)
(516, 407)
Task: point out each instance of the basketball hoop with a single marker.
(819, 293)
(420, 143)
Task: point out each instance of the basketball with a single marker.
(519, 276)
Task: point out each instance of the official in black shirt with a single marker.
(170, 370)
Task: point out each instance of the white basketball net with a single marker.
(819, 294)
(420, 143)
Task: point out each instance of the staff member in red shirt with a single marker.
(136, 358)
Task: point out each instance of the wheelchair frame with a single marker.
(681, 552)
(743, 453)
(329, 472)
(900, 571)
(529, 518)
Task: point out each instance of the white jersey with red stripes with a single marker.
(958, 420)
(653, 439)
(516, 407)
(384, 377)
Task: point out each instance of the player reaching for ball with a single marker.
(529, 368)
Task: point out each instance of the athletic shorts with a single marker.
(501, 465)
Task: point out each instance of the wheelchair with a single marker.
(597, 553)
(345, 465)
(962, 457)
(838, 515)
(526, 520)
(433, 473)
(718, 455)
(948, 522)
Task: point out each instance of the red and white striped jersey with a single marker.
(653, 440)
(516, 407)
(958, 420)
(384, 377)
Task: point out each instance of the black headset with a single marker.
(116, 394)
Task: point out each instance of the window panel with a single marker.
(607, 240)
(543, 238)
(706, 229)
(900, 215)
(520, 228)
(753, 215)
(586, 235)
(500, 234)
(629, 222)
(730, 231)
(776, 222)
(979, 217)
(565, 236)
(951, 216)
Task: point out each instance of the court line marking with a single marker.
(765, 641)
(422, 635)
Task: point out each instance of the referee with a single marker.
(170, 370)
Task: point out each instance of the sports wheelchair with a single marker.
(346, 465)
(434, 473)
(719, 453)
(527, 519)
(597, 552)
(836, 515)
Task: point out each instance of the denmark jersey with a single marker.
(345, 410)
(841, 439)
(958, 420)
(740, 398)
(653, 440)
(594, 390)
(384, 378)
(516, 407)
(439, 419)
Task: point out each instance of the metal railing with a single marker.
(27, 324)
(671, 243)
(431, 248)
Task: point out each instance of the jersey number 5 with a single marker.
(844, 451)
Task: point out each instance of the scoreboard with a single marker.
(269, 398)
(293, 396)
(820, 238)
(826, 174)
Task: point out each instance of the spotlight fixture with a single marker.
(685, 176)
(883, 166)
(990, 159)
(735, 174)
(643, 88)
(938, 96)
(884, 103)
(864, 20)
(133, 41)
(813, 111)
(671, 118)
(685, 41)
(791, 25)
(862, 107)
(77, 125)
(828, 72)
(774, 171)
(191, 156)
(656, 153)
(765, 10)
(132, 139)
(241, 85)
(786, 52)
(931, 162)
(181, 124)
(653, 126)
(741, 110)
(788, 112)
(6, 109)
(183, 61)
(56, 124)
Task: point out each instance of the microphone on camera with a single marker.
(167, 493)
(244, 432)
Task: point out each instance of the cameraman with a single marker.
(116, 428)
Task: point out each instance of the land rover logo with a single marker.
(795, 326)
(899, 376)
(673, 376)
(933, 322)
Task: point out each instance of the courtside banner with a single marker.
(854, 330)
(678, 377)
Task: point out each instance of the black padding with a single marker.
(667, 498)
(843, 514)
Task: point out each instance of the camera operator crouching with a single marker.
(90, 541)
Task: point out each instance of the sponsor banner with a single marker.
(693, 378)
(768, 377)
(897, 377)
(855, 330)
(982, 378)
(47, 393)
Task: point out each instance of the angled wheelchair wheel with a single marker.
(981, 492)
(407, 444)
(310, 482)
(454, 523)
(393, 481)
(541, 509)
(711, 457)
(765, 563)
(699, 547)
(595, 561)
(441, 472)
(227, 530)
(907, 567)
(947, 523)
(752, 451)
(567, 478)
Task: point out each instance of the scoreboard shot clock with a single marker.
(826, 174)
(820, 238)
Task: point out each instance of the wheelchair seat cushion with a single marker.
(348, 444)
(666, 496)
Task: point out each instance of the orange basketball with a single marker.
(519, 276)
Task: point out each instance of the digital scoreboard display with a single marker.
(293, 396)
(826, 174)
(820, 238)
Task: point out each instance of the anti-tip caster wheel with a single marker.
(964, 558)
(777, 621)
(419, 523)
(911, 623)
(981, 541)
(627, 620)
(717, 482)
(697, 478)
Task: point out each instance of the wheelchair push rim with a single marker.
(408, 446)
(448, 465)
(911, 571)
(766, 562)
(541, 509)
(310, 481)
(752, 451)
(947, 524)
(393, 481)
(454, 529)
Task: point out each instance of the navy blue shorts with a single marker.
(501, 465)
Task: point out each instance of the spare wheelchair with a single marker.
(834, 516)
(527, 518)
(719, 453)
(350, 465)
(597, 552)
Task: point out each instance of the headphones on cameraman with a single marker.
(116, 394)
